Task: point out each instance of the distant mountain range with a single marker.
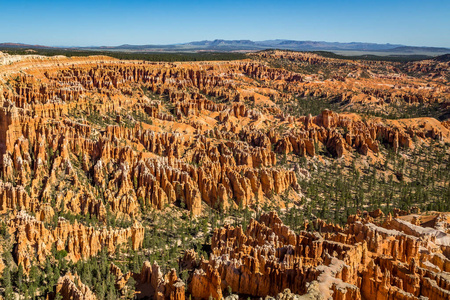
(248, 45)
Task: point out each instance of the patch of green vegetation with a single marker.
(140, 116)
(414, 177)
(408, 111)
(165, 240)
(303, 106)
(370, 57)
(42, 279)
(147, 56)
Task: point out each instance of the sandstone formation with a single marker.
(151, 283)
(365, 84)
(67, 127)
(102, 141)
(161, 286)
(363, 260)
(34, 241)
(70, 287)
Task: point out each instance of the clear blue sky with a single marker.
(86, 23)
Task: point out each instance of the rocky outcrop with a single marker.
(70, 287)
(97, 137)
(161, 286)
(34, 241)
(360, 261)
(91, 134)
(121, 279)
(366, 82)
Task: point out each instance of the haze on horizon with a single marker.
(112, 23)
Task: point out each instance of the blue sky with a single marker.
(86, 23)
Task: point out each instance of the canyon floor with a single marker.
(281, 175)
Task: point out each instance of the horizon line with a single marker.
(212, 40)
